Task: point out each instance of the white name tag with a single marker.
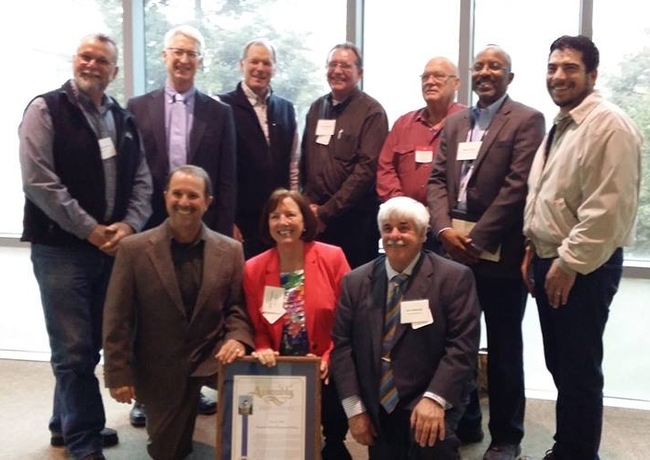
(325, 127)
(468, 150)
(423, 154)
(416, 313)
(106, 148)
(273, 303)
(323, 140)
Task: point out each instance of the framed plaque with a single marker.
(269, 413)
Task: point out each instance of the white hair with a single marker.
(403, 207)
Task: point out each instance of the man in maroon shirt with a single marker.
(407, 155)
(406, 158)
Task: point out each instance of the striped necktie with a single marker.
(387, 391)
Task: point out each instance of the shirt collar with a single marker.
(579, 113)
(482, 116)
(252, 97)
(201, 237)
(391, 272)
(336, 102)
(421, 117)
(188, 96)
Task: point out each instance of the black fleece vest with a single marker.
(78, 164)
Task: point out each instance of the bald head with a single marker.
(503, 53)
(439, 83)
(491, 74)
(443, 63)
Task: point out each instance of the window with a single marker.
(525, 30)
(398, 43)
(42, 63)
(624, 78)
(301, 32)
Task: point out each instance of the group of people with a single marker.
(227, 204)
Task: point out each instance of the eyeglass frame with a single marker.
(344, 66)
(180, 52)
(437, 77)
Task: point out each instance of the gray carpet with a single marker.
(25, 404)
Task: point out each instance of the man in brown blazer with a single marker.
(173, 311)
(476, 197)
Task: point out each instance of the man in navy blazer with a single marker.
(476, 196)
(210, 130)
(209, 138)
(431, 355)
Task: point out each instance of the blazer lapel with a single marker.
(272, 278)
(161, 257)
(156, 112)
(379, 285)
(212, 269)
(498, 122)
(461, 136)
(198, 124)
(311, 295)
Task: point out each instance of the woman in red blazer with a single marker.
(300, 322)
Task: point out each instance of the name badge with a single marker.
(468, 150)
(325, 127)
(423, 154)
(416, 313)
(325, 131)
(273, 303)
(106, 148)
(323, 140)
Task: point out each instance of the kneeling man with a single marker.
(406, 337)
(173, 310)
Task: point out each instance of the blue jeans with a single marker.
(73, 283)
(573, 349)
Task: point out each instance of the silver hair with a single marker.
(259, 42)
(103, 38)
(188, 31)
(404, 207)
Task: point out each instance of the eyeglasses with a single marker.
(437, 77)
(87, 58)
(179, 53)
(493, 66)
(342, 65)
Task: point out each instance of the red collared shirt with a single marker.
(398, 174)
